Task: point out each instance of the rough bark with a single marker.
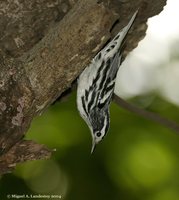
(44, 46)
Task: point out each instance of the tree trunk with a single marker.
(44, 46)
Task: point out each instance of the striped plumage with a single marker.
(96, 85)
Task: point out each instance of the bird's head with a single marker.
(99, 125)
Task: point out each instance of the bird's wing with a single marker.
(108, 83)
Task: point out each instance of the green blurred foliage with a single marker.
(137, 160)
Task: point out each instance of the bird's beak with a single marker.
(93, 145)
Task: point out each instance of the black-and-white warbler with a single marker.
(96, 85)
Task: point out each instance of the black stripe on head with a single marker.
(107, 123)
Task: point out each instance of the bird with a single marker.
(95, 85)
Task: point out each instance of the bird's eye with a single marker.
(98, 134)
